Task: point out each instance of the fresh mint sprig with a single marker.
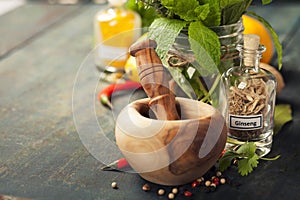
(247, 158)
(195, 17)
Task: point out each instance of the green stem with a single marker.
(271, 159)
(212, 89)
(202, 87)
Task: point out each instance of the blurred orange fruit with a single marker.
(253, 26)
(277, 74)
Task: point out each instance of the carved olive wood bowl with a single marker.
(173, 152)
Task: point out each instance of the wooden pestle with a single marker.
(154, 80)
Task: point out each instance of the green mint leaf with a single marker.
(164, 31)
(226, 159)
(264, 2)
(148, 14)
(247, 149)
(232, 11)
(283, 114)
(202, 11)
(132, 5)
(206, 47)
(274, 37)
(214, 16)
(187, 10)
(246, 165)
(225, 3)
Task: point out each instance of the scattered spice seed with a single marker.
(161, 192)
(218, 174)
(195, 184)
(213, 185)
(146, 187)
(114, 185)
(210, 183)
(222, 180)
(207, 183)
(174, 190)
(171, 195)
(200, 179)
(187, 193)
(216, 180)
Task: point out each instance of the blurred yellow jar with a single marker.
(116, 28)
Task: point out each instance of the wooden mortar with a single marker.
(171, 152)
(183, 140)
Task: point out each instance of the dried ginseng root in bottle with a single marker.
(247, 99)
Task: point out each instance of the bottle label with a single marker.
(112, 53)
(250, 122)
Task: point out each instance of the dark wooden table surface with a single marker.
(44, 150)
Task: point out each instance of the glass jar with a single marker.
(199, 84)
(247, 99)
(116, 28)
(229, 36)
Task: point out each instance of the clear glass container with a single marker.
(181, 58)
(229, 36)
(247, 100)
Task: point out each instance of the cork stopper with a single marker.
(251, 41)
(251, 44)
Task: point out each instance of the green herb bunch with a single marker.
(168, 18)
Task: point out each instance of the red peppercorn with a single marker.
(187, 194)
(195, 184)
(216, 180)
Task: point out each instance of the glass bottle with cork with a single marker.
(249, 99)
(115, 29)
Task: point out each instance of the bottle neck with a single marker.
(117, 3)
(250, 59)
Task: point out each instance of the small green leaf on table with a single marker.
(226, 160)
(283, 114)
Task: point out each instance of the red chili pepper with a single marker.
(222, 153)
(116, 165)
(122, 163)
(105, 94)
